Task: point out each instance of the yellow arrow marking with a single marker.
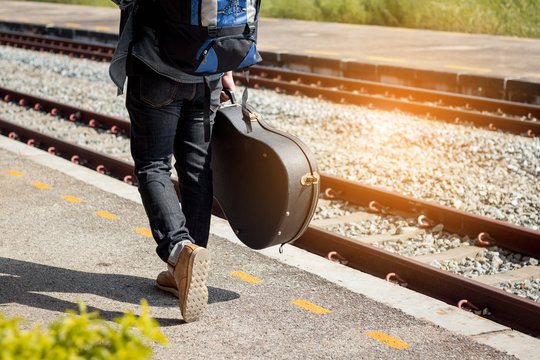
(40, 185)
(459, 67)
(319, 52)
(14, 173)
(388, 340)
(246, 277)
(102, 28)
(387, 59)
(143, 231)
(106, 215)
(72, 199)
(269, 47)
(311, 307)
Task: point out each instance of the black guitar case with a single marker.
(265, 180)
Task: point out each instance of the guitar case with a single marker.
(265, 180)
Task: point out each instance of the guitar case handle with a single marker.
(249, 113)
(230, 94)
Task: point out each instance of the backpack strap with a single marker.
(208, 13)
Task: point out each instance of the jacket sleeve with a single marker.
(123, 4)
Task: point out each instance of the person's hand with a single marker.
(228, 83)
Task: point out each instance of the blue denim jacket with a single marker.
(146, 50)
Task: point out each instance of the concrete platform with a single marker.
(55, 251)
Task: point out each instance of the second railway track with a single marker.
(514, 117)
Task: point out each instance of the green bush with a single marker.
(501, 17)
(82, 336)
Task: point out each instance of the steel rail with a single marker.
(34, 42)
(494, 122)
(73, 113)
(505, 308)
(405, 92)
(506, 235)
(76, 153)
(508, 309)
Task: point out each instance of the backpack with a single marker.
(203, 37)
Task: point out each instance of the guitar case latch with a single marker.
(310, 179)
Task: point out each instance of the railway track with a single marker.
(486, 300)
(517, 118)
(57, 46)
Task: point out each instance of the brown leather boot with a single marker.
(190, 275)
(165, 281)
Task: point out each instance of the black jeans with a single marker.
(166, 119)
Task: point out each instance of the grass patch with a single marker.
(498, 17)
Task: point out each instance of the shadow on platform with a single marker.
(27, 283)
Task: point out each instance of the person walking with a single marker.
(171, 113)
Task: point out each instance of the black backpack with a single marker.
(203, 37)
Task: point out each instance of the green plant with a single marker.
(501, 17)
(82, 336)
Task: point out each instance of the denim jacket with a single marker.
(145, 49)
